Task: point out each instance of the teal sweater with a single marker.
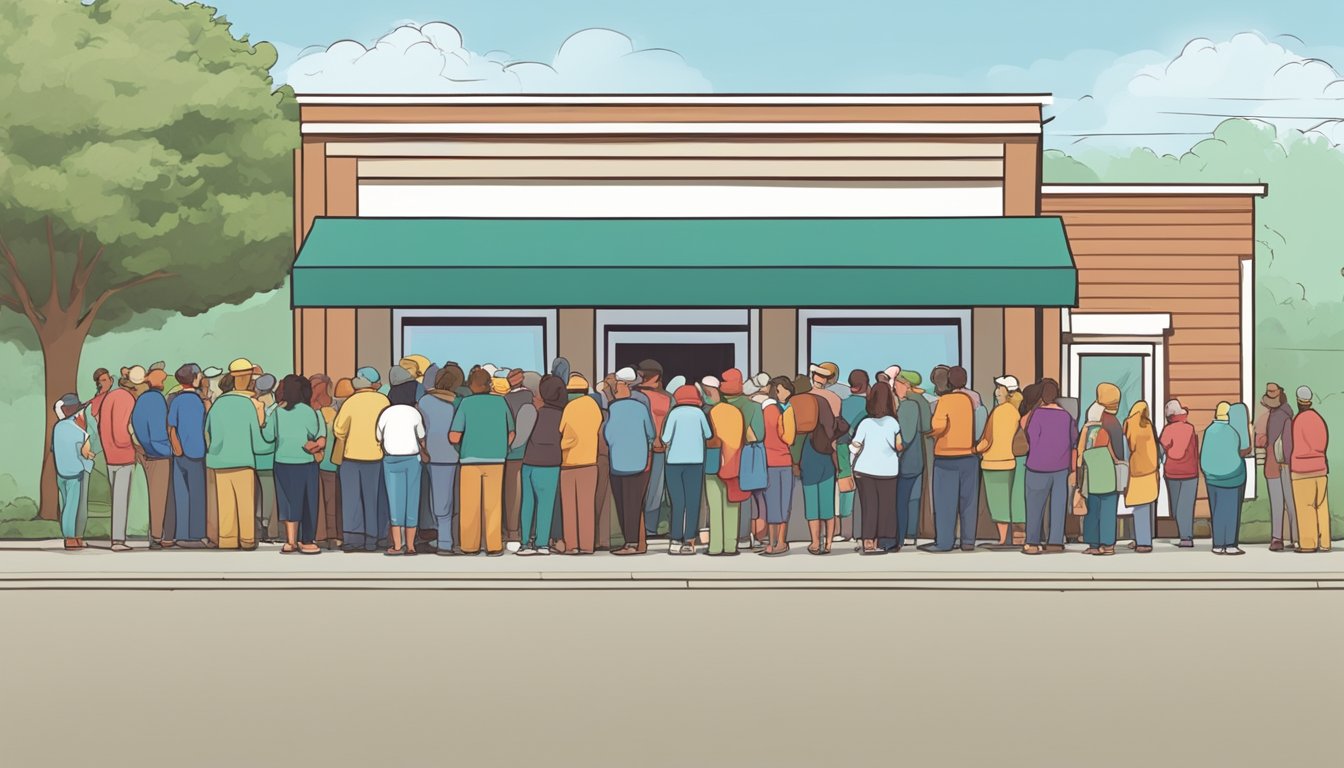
(1220, 456)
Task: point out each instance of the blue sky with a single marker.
(1119, 55)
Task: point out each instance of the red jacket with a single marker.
(114, 427)
(1181, 446)
(1310, 438)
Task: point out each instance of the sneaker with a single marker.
(514, 546)
(1234, 551)
(688, 549)
(1219, 551)
(119, 546)
(525, 552)
(1186, 543)
(542, 551)
(673, 548)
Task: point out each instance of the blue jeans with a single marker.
(442, 501)
(1225, 507)
(956, 497)
(1047, 496)
(653, 497)
(189, 497)
(401, 474)
(684, 484)
(539, 486)
(296, 497)
(1181, 493)
(1099, 525)
(364, 511)
(775, 500)
(1145, 519)
(70, 490)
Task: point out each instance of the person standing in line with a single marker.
(268, 521)
(580, 425)
(299, 437)
(212, 387)
(817, 470)
(660, 404)
(629, 435)
(328, 499)
(875, 453)
(149, 421)
(956, 481)
(722, 492)
(482, 430)
(234, 439)
(822, 378)
(731, 386)
(364, 504)
(73, 458)
(685, 434)
(1000, 469)
(437, 409)
(780, 431)
(1310, 471)
(541, 468)
(1222, 460)
(1141, 494)
(519, 399)
(603, 504)
(1276, 440)
(113, 414)
(915, 415)
(1052, 434)
(1097, 454)
(186, 436)
(853, 409)
(1180, 446)
(401, 433)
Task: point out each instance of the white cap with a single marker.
(755, 383)
(136, 374)
(1304, 394)
(627, 375)
(490, 369)
(711, 381)
(1174, 408)
(1008, 382)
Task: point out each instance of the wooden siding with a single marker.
(1176, 254)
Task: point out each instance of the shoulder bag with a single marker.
(752, 476)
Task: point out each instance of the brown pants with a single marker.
(481, 491)
(513, 499)
(603, 503)
(211, 509)
(158, 474)
(578, 496)
(329, 508)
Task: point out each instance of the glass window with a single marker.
(872, 345)
(1124, 371)
(500, 341)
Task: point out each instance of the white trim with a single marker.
(1136, 324)
(746, 343)
(961, 315)
(1155, 189)
(550, 317)
(1041, 99)
(756, 128)
(1248, 355)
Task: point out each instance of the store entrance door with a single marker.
(692, 360)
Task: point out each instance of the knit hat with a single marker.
(1304, 394)
(687, 395)
(577, 383)
(515, 377)
(399, 375)
(627, 375)
(369, 375)
(1174, 408)
(1222, 412)
(560, 368)
(1109, 396)
(731, 382)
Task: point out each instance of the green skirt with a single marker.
(1006, 492)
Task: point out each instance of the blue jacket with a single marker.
(1220, 456)
(149, 419)
(66, 441)
(629, 433)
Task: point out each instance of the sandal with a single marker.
(1033, 549)
(288, 549)
(392, 552)
(811, 550)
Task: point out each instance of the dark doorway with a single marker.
(693, 361)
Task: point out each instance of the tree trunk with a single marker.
(62, 343)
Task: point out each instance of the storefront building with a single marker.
(758, 232)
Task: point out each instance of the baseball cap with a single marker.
(1008, 382)
(212, 371)
(369, 374)
(627, 375)
(710, 381)
(829, 370)
(650, 366)
(1304, 394)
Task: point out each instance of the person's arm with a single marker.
(856, 444)
(987, 437)
(705, 429)
(508, 419)
(174, 412)
(939, 422)
(340, 426)
(668, 430)
(458, 425)
(120, 422)
(527, 421)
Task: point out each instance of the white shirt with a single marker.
(873, 448)
(400, 428)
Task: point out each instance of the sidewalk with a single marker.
(44, 565)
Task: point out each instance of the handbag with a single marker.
(1121, 477)
(845, 484)
(1020, 445)
(752, 476)
(1100, 469)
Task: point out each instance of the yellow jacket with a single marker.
(355, 428)
(580, 427)
(996, 444)
(953, 430)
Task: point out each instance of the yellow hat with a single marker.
(499, 385)
(577, 383)
(416, 364)
(241, 365)
(1109, 396)
(1222, 412)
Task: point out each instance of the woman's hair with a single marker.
(881, 402)
(225, 383)
(1031, 397)
(294, 389)
(785, 383)
(956, 377)
(479, 381)
(552, 391)
(449, 378)
(1049, 391)
(826, 431)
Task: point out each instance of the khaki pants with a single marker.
(513, 498)
(237, 493)
(482, 507)
(211, 508)
(158, 473)
(329, 508)
(578, 497)
(1313, 513)
(603, 502)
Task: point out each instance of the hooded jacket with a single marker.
(543, 447)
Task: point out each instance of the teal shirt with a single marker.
(327, 465)
(751, 414)
(232, 433)
(290, 430)
(266, 459)
(1220, 456)
(485, 423)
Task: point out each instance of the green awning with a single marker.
(868, 262)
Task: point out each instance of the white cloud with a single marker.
(1169, 103)
(433, 58)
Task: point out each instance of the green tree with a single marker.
(145, 163)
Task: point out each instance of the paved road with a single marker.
(639, 678)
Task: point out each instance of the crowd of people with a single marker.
(438, 458)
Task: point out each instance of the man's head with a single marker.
(577, 384)
(858, 382)
(102, 380)
(939, 378)
(478, 381)
(155, 379)
(1274, 395)
(516, 379)
(781, 389)
(68, 406)
(241, 372)
(1004, 386)
(730, 383)
(651, 372)
(900, 387)
(1174, 409)
(1305, 398)
(956, 378)
(823, 374)
(710, 386)
(1049, 391)
(189, 376)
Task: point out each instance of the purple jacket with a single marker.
(1051, 436)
